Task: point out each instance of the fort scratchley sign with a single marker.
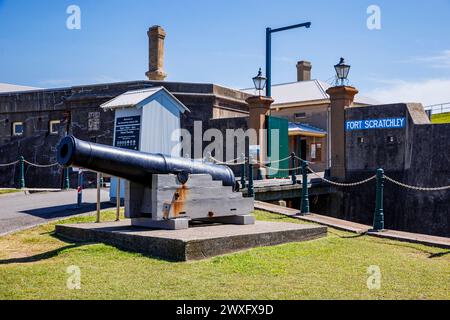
(389, 123)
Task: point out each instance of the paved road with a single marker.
(19, 211)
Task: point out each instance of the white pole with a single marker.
(118, 200)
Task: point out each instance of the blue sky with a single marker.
(223, 42)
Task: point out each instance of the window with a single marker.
(17, 129)
(300, 115)
(316, 151)
(360, 140)
(54, 126)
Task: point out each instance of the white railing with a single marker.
(438, 108)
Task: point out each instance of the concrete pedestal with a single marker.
(198, 242)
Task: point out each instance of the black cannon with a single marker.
(133, 165)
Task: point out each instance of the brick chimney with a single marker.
(156, 36)
(304, 71)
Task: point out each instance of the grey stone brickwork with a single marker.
(78, 108)
(418, 155)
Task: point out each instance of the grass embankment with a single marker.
(441, 118)
(8, 191)
(33, 265)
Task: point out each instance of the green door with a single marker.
(278, 150)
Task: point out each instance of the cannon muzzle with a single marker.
(134, 165)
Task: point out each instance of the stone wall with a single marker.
(79, 110)
(37, 145)
(418, 155)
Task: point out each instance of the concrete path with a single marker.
(434, 241)
(19, 211)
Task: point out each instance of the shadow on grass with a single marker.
(47, 255)
(65, 211)
(438, 255)
(76, 244)
(358, 235)
(41, 256)
(398, 243)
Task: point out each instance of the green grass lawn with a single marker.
(33, 265)
(8, 191)
(441, 118)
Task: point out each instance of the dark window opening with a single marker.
(300, 115)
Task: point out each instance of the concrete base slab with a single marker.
(200, 241)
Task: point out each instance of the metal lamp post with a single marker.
(259, 81)
(342, 71)
(269, 32)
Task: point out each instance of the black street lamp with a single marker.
(260, 82)
(342, 71)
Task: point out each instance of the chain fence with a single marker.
(265, 165)
(29, 163)
(337, 184)
(234, 163)
(344, 185)
(41, 165)
(9, 164)
(22, 171)
(398, 183)
(281, 169)
(228, 163)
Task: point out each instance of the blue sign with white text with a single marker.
(390, 123)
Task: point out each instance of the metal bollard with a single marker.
(22, 173)
(305, 193)
(251, 190)
(243, 183)
(66, 185)
(80, 189)
(293, 171)
(378, 220)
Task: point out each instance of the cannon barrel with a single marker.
(134, 165)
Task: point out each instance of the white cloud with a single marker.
(440, 60)
(428, 92)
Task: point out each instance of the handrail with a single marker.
(438, 108)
